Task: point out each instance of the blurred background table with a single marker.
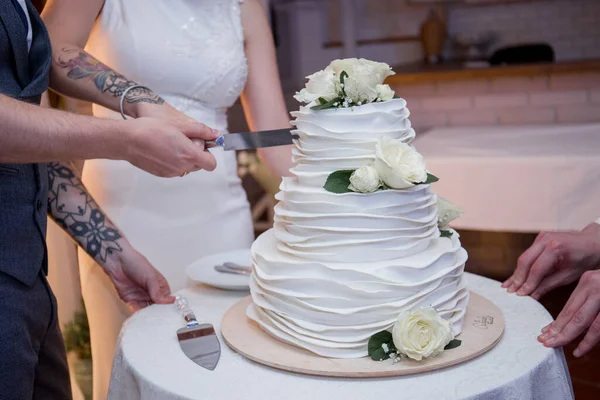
(518, 178)
(150, 365)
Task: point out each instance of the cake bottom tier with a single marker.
(332, 309)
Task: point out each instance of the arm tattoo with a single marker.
(74, 209)
(81, 65)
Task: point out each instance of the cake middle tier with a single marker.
(314, 224)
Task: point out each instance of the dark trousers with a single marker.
(33, 364)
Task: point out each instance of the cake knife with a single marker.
(198, 341)
(253, 140)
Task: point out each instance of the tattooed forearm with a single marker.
(81, 65)
(72, 207)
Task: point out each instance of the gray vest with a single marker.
(23, 187)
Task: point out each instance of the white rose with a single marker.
(399, 165)
(447, 212)
(320, 84)
(364, 180)
(421, 334)
(384, 92)
(359, 92)
(363, 77)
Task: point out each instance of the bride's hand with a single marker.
(138, 283)
(161, 111)
(167, 112)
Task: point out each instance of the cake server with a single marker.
(198, 341)
(253, 140)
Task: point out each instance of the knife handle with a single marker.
(218, 142)
(182, 305)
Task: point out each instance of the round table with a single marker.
(517, 178)
(150, 365)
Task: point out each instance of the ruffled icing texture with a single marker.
(338, 268)
(344, 138)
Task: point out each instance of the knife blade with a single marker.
(198, 341)
(253, 140)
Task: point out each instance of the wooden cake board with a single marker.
(482, 329)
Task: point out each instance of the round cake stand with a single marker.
(482, 329)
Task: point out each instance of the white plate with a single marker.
(204, 271)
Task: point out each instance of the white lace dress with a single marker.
(191, 52)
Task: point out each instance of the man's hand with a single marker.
(138, 283)
(580, 314)
(169, 149)
(555, 259)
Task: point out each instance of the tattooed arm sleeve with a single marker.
(74, 209)
(78, 74)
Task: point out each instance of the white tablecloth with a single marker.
(150, 365)
(517, 178)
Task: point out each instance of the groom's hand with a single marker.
(138, 283)
(165, 148)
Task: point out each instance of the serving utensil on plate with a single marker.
(233, 268)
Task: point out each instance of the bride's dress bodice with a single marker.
(190, 52)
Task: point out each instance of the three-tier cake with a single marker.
(340, 266)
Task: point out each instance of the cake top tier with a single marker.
(354, 135)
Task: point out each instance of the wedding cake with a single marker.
(359, 236)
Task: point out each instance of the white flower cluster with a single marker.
(348, 82)
(447, 212)
(421, 333)
(397, 165)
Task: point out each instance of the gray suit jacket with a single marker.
(23, 187)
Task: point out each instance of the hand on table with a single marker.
(138, 283)
(580, 314)
(555, 259)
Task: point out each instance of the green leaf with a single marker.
(453, 344)
(379, 354)
(430, 179)
(338, 181)
(343, 76)
(327, 104)
(445, 233)
(376, 351)
(396, 96)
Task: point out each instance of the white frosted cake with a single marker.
(339, 267)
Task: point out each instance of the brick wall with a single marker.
(572, 27)
(504, 101)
